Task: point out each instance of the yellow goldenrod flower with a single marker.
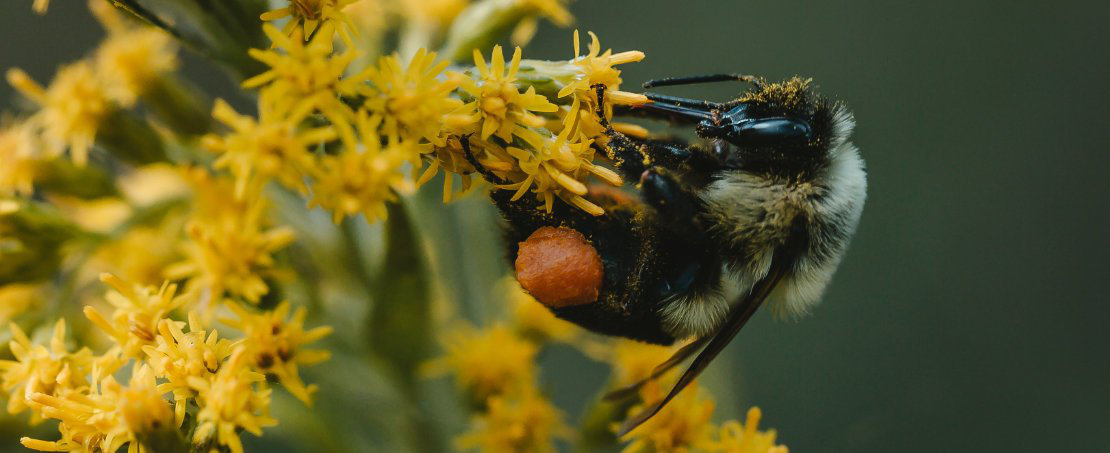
(71, 108)
(683, 425)
(488, 362)
(108, 417)
(179, 356)
(412, 99)
(131, 57)
(308, 15)
(230, 253)
(498, 104)
(138, 312)
(362, 179)
(234, 398)
(275, 146)
(521, 422)
(37, 369)
(40, 6)
(275, 345)
(746, 438)
(596, 68)
(19, 154)
(16, 298)
(558, 167)
(308, 77)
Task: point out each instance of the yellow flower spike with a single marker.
(138, 312)
(132, 57)
(411, 98)
(313, 16)
(520, 422)
(682, 425)
(40, 6)
(498, 102)
(274, 345)
(275, 146)
(229, 248)
(362, 179)
(71, 108)
(488, 362)
(234, 398)
(180, 356)
(108, 417)
(19, 155)
(37, 369)
(746, 438)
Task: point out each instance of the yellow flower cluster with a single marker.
(182, 349)
(685, 424)
(495, 368)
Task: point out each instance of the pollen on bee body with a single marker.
(559, 267)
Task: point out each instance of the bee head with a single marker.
(772, 122)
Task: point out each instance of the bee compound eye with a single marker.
(559, 267)
(769, 131)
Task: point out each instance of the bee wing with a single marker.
(737, 317)
(679, 356)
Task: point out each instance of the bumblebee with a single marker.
(759, 212)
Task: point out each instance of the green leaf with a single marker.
(400, 319)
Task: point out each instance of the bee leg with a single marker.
(676, 204)
(490, 176)
(628, 156)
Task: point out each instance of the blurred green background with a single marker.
(970, 313)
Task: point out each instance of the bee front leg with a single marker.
(677, 205)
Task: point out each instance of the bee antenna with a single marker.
(709, 78)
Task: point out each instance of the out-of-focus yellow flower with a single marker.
(153, 183)
(101, 215)
(234, 398)
(308, 15)
(108, 417)
(275, 345)
(487, 362)
(437, 13)
(498, 104)
(275, 146)
(747, 438)
(138, 312)
(230, 253)
(634, 361)
(132, 57)
(521, 422)
(412, 99)
(534, 321)
(16, 298)
(19, 154)
(555, 10)
(364, 178)
(37, 369)
(558, 167)
(683, 425)
(179, 357)
(71, 108)
(39, 6)
(158, 243)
